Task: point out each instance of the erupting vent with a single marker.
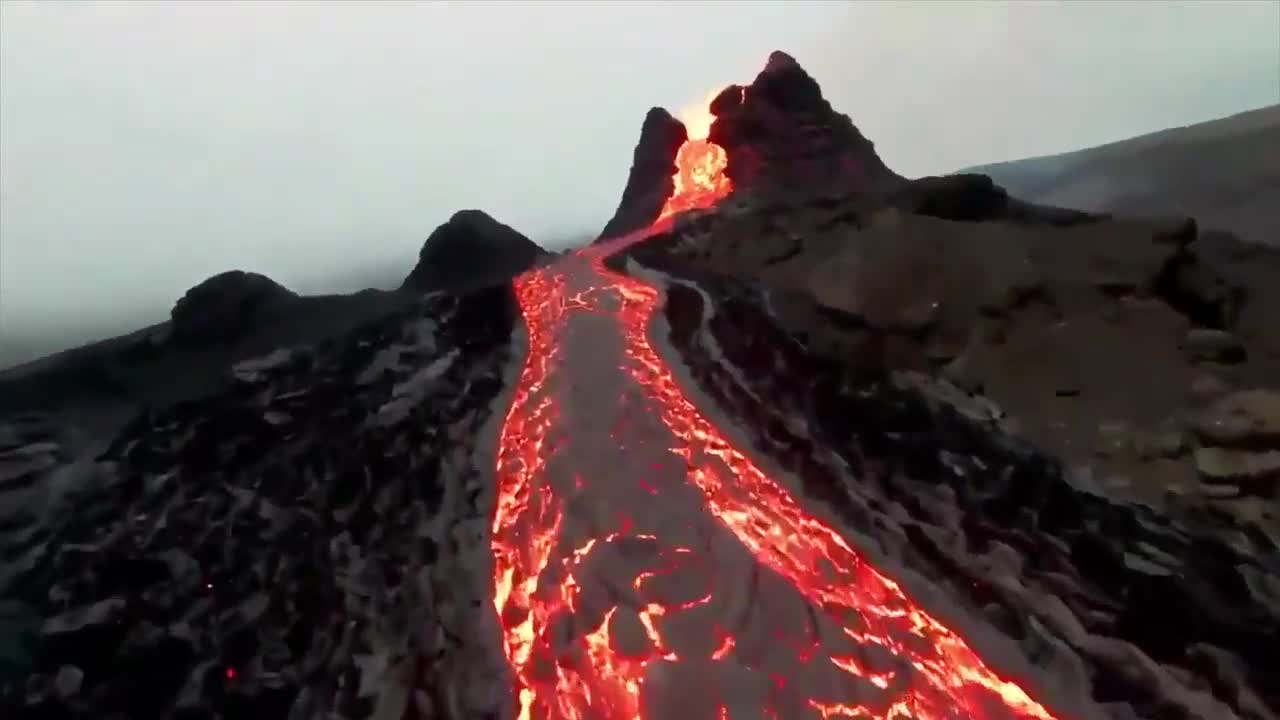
(700, 181)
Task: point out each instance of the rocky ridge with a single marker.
(237, 315)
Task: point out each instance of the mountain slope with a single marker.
(1105, 340)
(1225, 173)
(237, 315)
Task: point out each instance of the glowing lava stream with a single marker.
(938, 676)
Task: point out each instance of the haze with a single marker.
(146, 146)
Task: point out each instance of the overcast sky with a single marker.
(146, 146)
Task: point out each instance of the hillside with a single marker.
(1225, 173)
(237, 315)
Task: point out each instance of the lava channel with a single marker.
(584, 639)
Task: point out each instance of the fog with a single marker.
(146, 146)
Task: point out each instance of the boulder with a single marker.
(1248, 418)
(1240, 442)
(778, 132)
(1234, 286)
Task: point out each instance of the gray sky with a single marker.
(146, 146)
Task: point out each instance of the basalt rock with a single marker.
(649, 183)
(469, 251)
(780, 131)
(226, 307)
(971, 197)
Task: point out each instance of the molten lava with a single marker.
(699, 180)
(570, 661)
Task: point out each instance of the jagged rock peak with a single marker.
(781, 131)
(780, 61)
(224, 307)
(471, 250)
(649, 182)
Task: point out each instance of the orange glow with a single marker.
(534, 594)
(700, 181)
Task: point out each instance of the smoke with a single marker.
(147, 146)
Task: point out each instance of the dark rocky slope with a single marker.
(1173, 615)
(1108, 341)
(305, 542)
(469, 251)
(780, 131)
(237, 315)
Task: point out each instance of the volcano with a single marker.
(677, 473)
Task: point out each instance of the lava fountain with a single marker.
(700, 181)
(936, 675)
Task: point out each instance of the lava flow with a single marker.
(645, 568)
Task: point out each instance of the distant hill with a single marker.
(1225, 173)
(237, 315)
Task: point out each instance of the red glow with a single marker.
(534, 585)
(700, 180)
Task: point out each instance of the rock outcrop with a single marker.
(780, 131)
(649, 182)
(976, 198)
(469, 251)
(226, 307)
(1239, 444)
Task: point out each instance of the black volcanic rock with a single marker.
(471, 250)
(225, 307)
(971, 197)
(650, 182)
(246, 554)
(780, 131)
